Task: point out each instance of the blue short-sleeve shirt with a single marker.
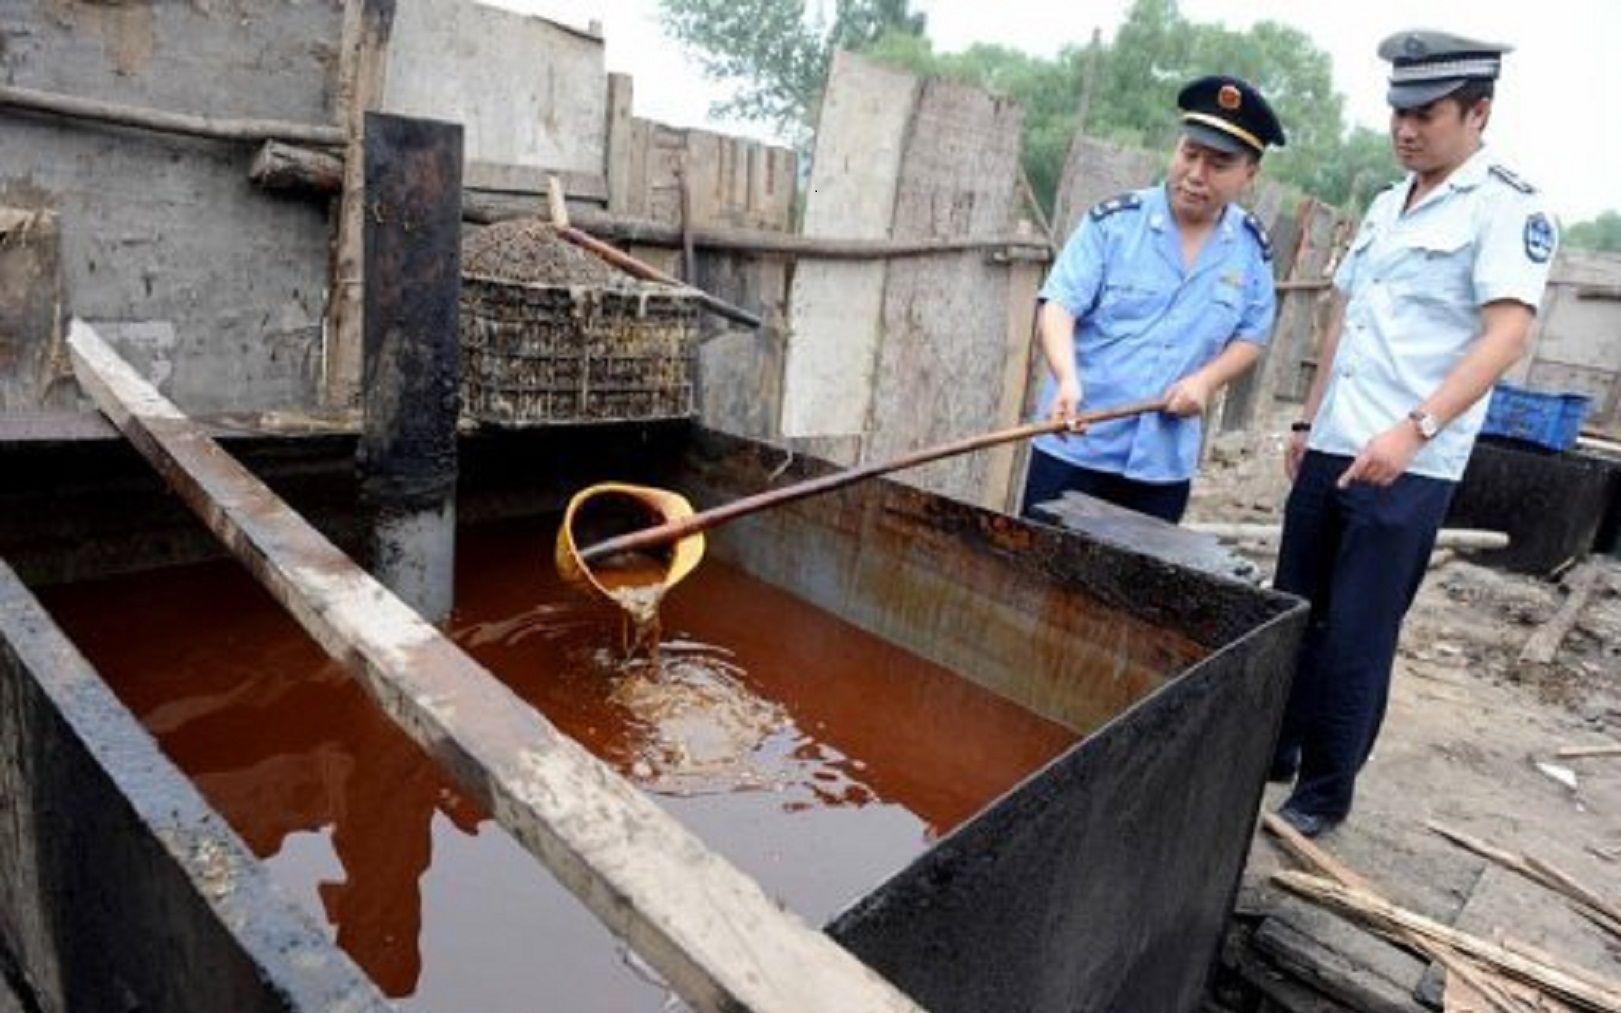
(1144, 322)
(1415, 280)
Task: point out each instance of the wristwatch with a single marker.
(1426, 423)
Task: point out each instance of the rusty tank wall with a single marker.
(1100, 883)
(120, 888)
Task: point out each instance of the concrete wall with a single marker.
(167, 231)
(529, 92)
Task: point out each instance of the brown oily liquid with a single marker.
(817, 758)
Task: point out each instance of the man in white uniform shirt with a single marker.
(1434, 300)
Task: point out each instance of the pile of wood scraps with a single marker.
(1478, 965)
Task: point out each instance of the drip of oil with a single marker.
(635, 582)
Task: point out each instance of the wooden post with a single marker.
(285, 167)
(621, 89)
(362, 69)
(1005, 466)
(407, 452)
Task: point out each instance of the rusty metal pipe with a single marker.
(673, 531)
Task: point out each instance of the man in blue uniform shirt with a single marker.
(1163, 291)
(1435, 299)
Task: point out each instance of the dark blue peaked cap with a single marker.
(1229, 115)
(1426, 66)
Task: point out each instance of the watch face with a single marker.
(1426, 425)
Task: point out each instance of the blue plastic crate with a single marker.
(1552, 421)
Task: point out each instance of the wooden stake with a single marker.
(363, 66)
(1572, 752)
(1544, 643)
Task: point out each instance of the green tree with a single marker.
(1602, 234)
(781, 54)
(776, 51)
(1046, 88)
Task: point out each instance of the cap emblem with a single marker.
(1229, 98)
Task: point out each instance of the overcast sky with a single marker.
(1553, 122)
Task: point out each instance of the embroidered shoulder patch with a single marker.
(1512, 180)
(1259, 232)
(1124, 202)
(1540, 238)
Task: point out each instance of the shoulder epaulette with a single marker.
(1512, 180)
(1259, 231)
(1124, 202)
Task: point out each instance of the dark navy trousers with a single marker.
(1358, 555)
(1050, 477)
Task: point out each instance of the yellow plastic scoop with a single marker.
(634, 579)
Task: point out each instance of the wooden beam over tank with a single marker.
(710, 930)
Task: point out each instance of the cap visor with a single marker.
(1210, 137)
(1412, 94)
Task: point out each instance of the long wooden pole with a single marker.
(166, 122)
(674, 531)
(629, 264)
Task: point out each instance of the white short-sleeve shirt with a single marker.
(1415, 284)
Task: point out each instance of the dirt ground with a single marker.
(1471, 734)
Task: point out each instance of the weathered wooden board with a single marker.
(944, 352)
(835, 309)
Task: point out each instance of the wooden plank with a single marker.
(714, 935)
(529, 179)
(834, 309)
(1004, 480)
(1571, 752)
(362, 64)
(1522, 915)
(1279, 992)
(940, 359)
(1446, 538)
(1543, 644)
(1339, 959)
(32, 359)
(621, 92)
(485, 208)
(1388, 917)
(526, 90)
